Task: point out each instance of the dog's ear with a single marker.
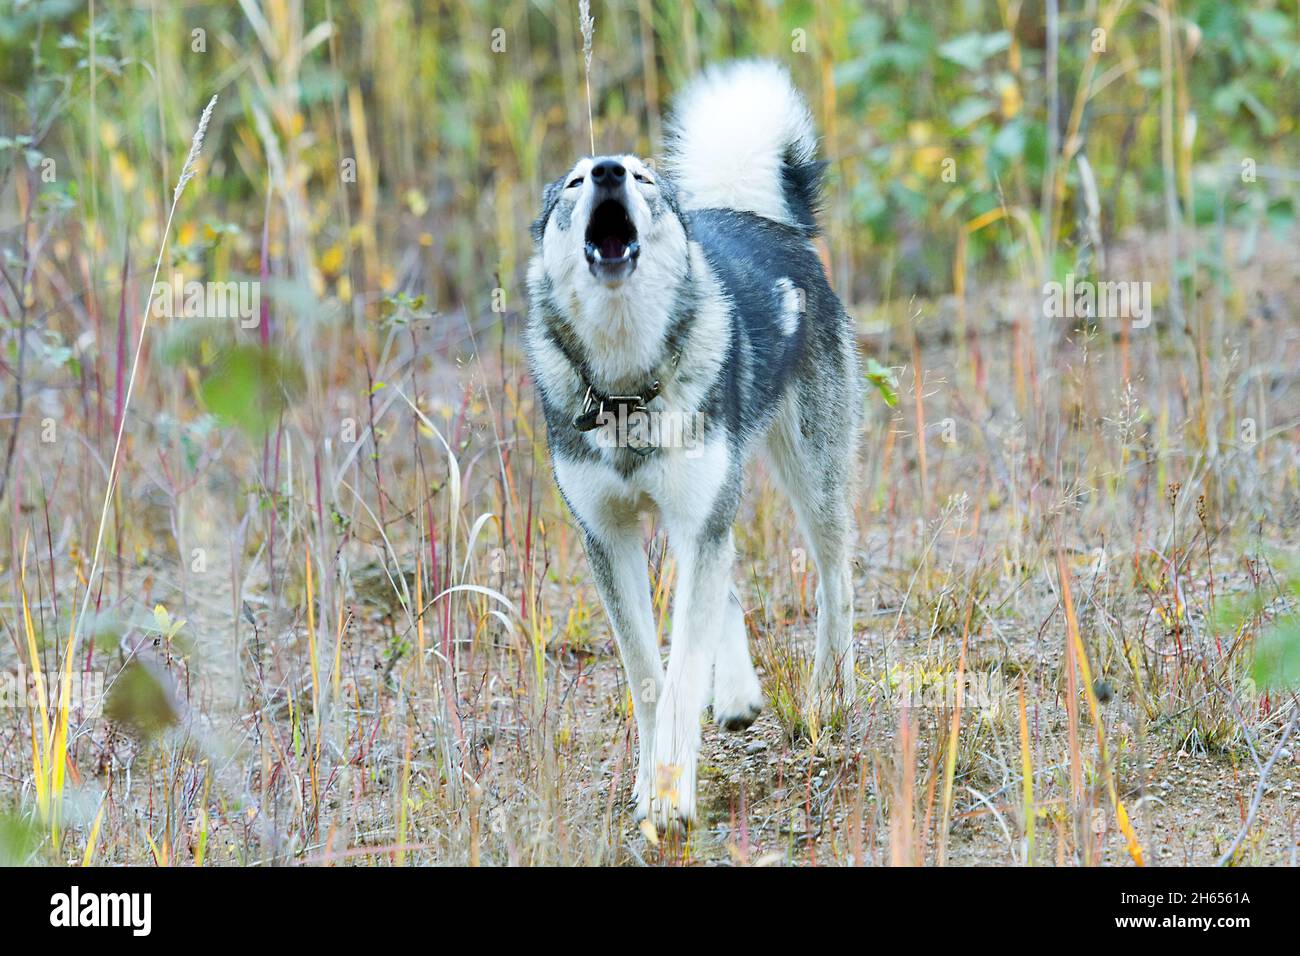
(550, 196)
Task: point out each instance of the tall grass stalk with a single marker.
(1027, 776)
(954, 733)
(1075, 642)
(588, 27)
(50, 745)
(187, 173)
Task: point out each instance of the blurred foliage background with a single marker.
(452, 115)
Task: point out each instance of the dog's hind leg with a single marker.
(811, 452)
(618, 563)
(737, 694)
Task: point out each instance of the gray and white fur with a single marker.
(697, 292)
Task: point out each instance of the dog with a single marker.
(697, 294)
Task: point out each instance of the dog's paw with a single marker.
(737, 698)
(672, 805)
(831, 697)
(737, 693)
(739, 720)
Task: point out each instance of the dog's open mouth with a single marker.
(612, 248)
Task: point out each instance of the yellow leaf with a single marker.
(927, 158)
(93, 838)
(123, 171)
(1130, 837)
(649, 832)
(1011, 98)
(331, 259)
(416, 202)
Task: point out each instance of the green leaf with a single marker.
(883, 379)
(19, 838)
(1277, 658)
(1281, 215)
(138, 700)
(1009, 143)
(972, 49)
(971, 110)
(250, 387)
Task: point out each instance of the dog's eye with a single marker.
(575, 181)
(642, 178)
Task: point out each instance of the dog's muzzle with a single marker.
(611, 244)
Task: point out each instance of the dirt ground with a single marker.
(366, 715)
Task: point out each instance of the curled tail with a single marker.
(742, 137)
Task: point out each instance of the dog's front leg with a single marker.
(618, 563)
(699, 615)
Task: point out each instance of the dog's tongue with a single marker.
(611, 248)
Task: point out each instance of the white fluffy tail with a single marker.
(742, 138)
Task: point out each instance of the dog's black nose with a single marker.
(608, 172)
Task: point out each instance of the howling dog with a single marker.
(696, 293)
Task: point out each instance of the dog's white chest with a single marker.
(680, 484)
